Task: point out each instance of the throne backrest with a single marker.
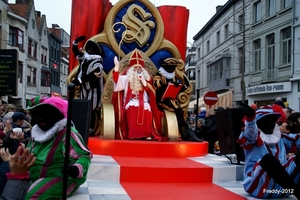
(183, 97)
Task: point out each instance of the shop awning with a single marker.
(224, 100)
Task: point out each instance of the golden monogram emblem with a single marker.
(138, 30)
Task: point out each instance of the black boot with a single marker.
(188, 135)
(91, 132)
(274, 169)
(183, 133)
(192, 137)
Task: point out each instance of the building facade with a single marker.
(64, 56)
(248, 50)
(39, 51)
(272, 49)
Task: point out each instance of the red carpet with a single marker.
(178, 191)
(161, 170)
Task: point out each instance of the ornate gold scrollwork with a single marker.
(138, 30)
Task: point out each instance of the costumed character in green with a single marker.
(48, 146)
(165, 77)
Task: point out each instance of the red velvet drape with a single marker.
(87, 18)
(175, 20)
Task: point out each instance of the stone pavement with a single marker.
(103, 178)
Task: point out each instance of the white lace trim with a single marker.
(166, 74)
(271, 139)
(42, 136)
(91, 56)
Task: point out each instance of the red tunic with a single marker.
(136, 121)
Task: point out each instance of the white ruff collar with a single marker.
(91, 56)
(271, 139)
(41, 136)
(166, 74)
(87, 56)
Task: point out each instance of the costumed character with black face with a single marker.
(89, 76)
(268, 172)
(134, 102)
(164, 77)
(48, 146)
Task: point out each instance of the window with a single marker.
(287, 3)
(16, 38)
(241, 22)
(241, 59)
(257, 55)
(226, 31)
(198, 53)
(207, 46)
(271, 7)
(216, 71)
(45, 78)
(257, 11)
(34, 76)
(33, 23)
(286, 45)
(44, 55)
(32, 48)
(20, 71)
(218, 38)
(31, 75)
(198, 78)
(270, 51)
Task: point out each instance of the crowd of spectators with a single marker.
(15, 131)
(204, 123)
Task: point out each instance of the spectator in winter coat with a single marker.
(210, 133)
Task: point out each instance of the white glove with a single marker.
(142, 79)
(117, 64)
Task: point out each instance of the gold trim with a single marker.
(116, 31)
(154, 11)
(108, 122)
(170, 126)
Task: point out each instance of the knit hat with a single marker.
(55, 102)
(35, 101)
(266, 111)
(18, 116)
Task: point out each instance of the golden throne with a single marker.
(105, 128)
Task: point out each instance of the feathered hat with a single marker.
(268, 111)
(169, 64)
(35, 101)
(55, 102)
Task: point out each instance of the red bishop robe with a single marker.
(135, 118)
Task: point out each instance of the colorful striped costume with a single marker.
(49, 149)
(256, 181)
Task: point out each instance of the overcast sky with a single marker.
(59, 12)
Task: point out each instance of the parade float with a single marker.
(158, 32)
